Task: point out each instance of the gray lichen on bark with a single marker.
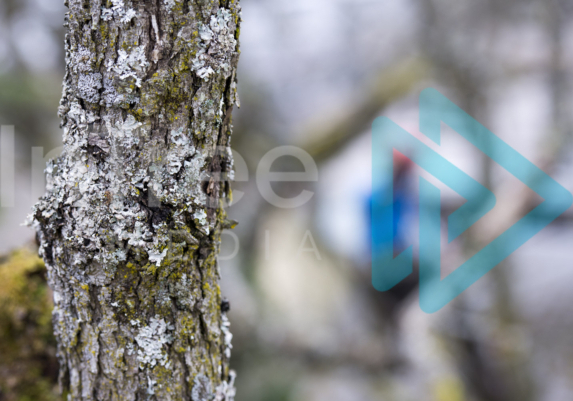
(130, 225)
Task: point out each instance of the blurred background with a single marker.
(307, 323)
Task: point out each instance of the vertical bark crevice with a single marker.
(128, 233)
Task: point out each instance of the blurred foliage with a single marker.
(28, 364)
(449, 389)
(30, 104)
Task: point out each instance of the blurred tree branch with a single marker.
(391, 84)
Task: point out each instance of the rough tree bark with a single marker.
(130, 225)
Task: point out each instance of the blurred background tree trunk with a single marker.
(130, 225)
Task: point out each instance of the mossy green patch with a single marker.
(28, 365)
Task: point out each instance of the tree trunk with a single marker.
(130, 225)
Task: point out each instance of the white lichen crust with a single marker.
(130, 225)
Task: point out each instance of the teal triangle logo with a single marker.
(389, 269)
